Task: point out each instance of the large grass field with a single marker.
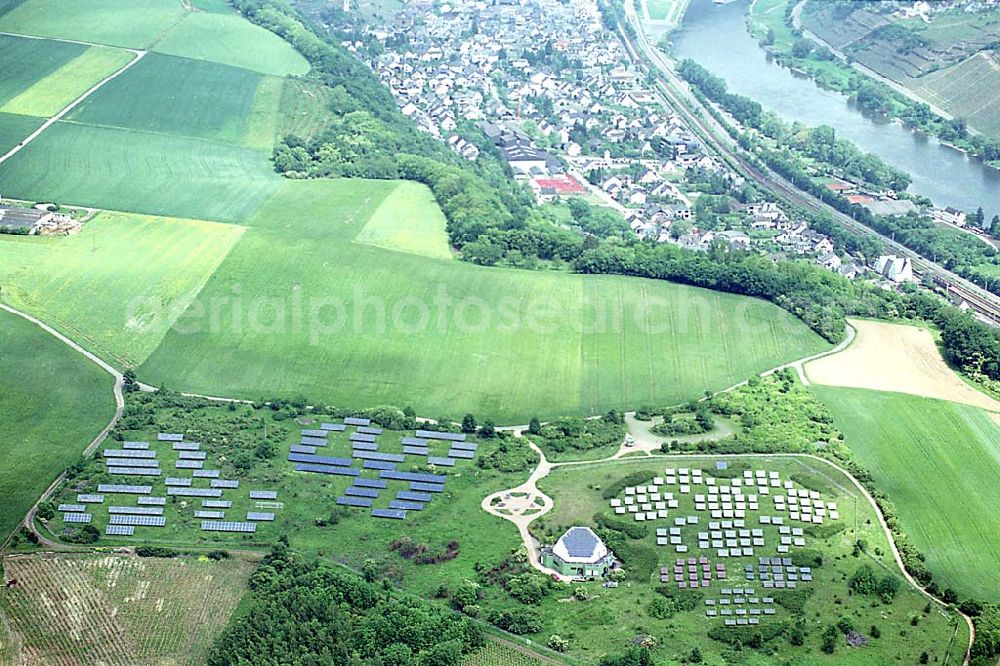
(33, 60)
(421, 231)
(939, 462)
(134, 24)
(14, 128)
(117, 609)
(53, 402)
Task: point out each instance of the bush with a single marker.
(156, 551)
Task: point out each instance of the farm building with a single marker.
(579, 553)
(31, 220)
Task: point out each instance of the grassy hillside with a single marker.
(53, 402)
(939, 463)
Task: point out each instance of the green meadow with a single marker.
(423, 233)
(939, 462)
(35, 58)
(14, 128)
(53, 402)
(133, 24)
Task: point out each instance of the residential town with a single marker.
(543, 82)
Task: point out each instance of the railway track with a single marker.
(673, 93)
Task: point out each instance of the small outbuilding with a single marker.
(579, 553)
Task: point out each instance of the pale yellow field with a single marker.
(408, 220)
(895, 357)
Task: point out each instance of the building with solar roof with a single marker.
(579, 553)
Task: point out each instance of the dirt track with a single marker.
(895, 357)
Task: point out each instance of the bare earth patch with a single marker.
(895, 357)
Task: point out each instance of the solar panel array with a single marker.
(209, 514)
(412, 496)
(369, 430)
(119, 530)
(132, 462)
(441, 462)
(264, 494)
(189, 464)
(260, 515)
(128, 453)
(180, 481)
(121, 488)
(416, 450)
(90, 498)
(137, 510)
(361, 492)
(403, 504)
(313, 441)
(378, 464)
(447, 436)
(319, 460)
(222, 526)
(415, 441)
(225, 483)
(186, 446)
(192, 455)
(77, 517)
(396, 514)
(314, 433)
(362, 437)
(365, 446)
(153, 501)
(376, 455)
(205, 473)
(195, 492)
(135, 445)
(72, 507)
(357, 421)
(139, 521)
(369, 483)
(333, 427)
(216, 504)
(303, 448)
(462, 453)
(135, 471)
(354, 501)
(464, 446)
(326, 469)
(170, 437)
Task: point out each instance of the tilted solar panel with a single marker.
(362, 492)
(370, 483)
(411, 496)
(264, 494)
(327, 469)
(403, 504)
(395, 514)
(354, 501)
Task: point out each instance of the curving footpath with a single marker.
(530, 487)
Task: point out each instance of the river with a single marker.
(715, 36)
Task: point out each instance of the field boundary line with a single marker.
(72, 105)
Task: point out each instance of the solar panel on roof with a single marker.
(463, 454)
(183, 482)
(135, 445)
(370, 430)
(131, 462)
(379, 464)
(152, 501)
(441, 462)
(426, 487)
(364, 446)
(192, 455)
(357, 421)
(313, 441)
(423, 477)
(225, 483)
(189, 464)
(362, 492)
(377, 455)
(205, 473)
(195, 492)
(448, 436)
(579, 542)
(216, 504)
(354, 501)
(260, 515)
(77, 517)
(120, 488)
(412, 496)
(370, 483)
(140, 521)
(333, 427)
(327, 469)
(209, 514)
(186, 446)
(170, 437)
(415, 451)
(464, 446)
(128, 453)
(319, 460)
(415, 441)
(90, 498)
(72, 508)
(361, 437)
(119, 530)
(134, 471)
(264, 494)
(395, 514)
(314, 433)
(302, 448)
(220, 526)
(403, 504)
(137, 510)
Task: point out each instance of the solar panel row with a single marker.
(120, 488)
(313, 441)
(195, 492)
(462, 453)
(137, 510)
(403, 504)
(415, 451)
(370, 430)
(216, 504)
(441, 462)
(128, 453)
(209, 514)
(364, 446)
(186, 446)
(205, 473)
(396, 514)
(152, 501)
(181, 482)
(314, 433)
(189, 464)
(412, 496)
(426, 487)
(260, 516)
(362, 492)
(378, 464)
(319, 460)
(192, 455)
(302, 448)
(264, 494)
(225, 483)
(77, 517)
(357, 421)
(170, 437)
(119, 530)
(376, 455)
(134, 471)
(141, 521)
(333, 427)
(361, 437)
(327, 469)
(132, 462)
(90, 498)
(464, 446)
(370, 483)
(415, 441)
(135, 445)
(414, 476)
(354, 501)
(447, 436)
(72, 507)
(217, 526)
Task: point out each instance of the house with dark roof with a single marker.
(579, 553)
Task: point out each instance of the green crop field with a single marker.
(409, 220)
(150, 173)
(52, 93)
(13, 129)
(118, 286)
(34, 60)
(939, 463)
(175, 96)
(118, 609)
(135, 24)
(498, 654)
(616, 616)
(53, 402)
(223, 38)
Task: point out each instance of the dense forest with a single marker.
(307, 613)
